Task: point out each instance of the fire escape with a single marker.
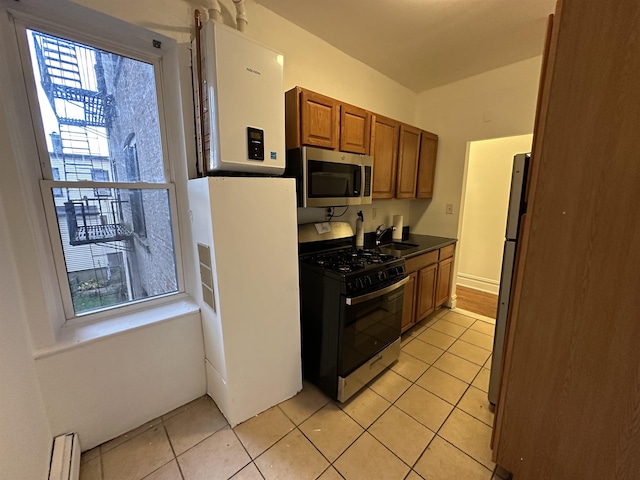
(82, 106)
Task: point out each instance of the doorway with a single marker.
(483, 220)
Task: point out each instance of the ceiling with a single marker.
(422, 44)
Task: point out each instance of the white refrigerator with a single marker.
(245, 230)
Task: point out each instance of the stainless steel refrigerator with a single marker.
(517, 207)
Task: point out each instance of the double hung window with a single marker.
(108, 198)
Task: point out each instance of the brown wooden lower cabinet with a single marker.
(425, 291)
(443, 284)
(409, 305)
(429, 284)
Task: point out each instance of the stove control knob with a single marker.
(381, 275)
(359, 283)
(367, 281)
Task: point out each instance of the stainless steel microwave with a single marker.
(326, 178)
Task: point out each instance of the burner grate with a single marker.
(349, 260)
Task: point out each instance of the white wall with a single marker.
(107, 387)
(314, 64)
(25, 437)
(498, 103)
(484, 210)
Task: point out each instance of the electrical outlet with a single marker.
(449, 208)
(374, 213)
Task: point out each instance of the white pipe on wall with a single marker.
(214, 10)
(241, 15)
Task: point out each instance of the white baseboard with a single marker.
(486, 285)
(65, 458)
(451, 303)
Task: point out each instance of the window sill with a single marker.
(76, 335)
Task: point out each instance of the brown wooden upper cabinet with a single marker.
(320, 121)
(408, 152)
(427, 164)
(404, 157)
(355, 129)
(384, 149)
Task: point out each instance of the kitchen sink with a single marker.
(398, 246)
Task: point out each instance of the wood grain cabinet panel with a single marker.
(425, 291)
(427, 164)
(319, 120)
(443, 285)
(355, 129)
(409, 305)
(447, 252)
(414, 264)
(384, 149)
(431, 284)
(569, 402)
(408, 152)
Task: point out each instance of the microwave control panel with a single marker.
(255, 143)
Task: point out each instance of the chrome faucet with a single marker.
(380, 232)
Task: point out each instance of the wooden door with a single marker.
(319, 119)
(408, 150)
(355, 129)
(427, 164)
(409, 305)
(426, 291)
(443, 285)
(569, 401)
(384, 149)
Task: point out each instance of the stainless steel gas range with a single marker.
(351, 309)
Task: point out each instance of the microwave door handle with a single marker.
(377, 293)
(357, 179)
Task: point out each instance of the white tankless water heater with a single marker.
(242, 104)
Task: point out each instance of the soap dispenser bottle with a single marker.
(360, 231)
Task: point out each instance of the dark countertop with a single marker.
(425, 243)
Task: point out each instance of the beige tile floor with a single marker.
(426, 417)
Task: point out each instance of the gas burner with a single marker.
(349, 260)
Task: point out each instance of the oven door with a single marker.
(370, 323)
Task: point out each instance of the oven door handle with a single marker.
(377, 293)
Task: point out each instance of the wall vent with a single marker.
(206, 275)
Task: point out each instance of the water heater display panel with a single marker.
(255, 143)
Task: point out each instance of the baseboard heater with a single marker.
(65, 458)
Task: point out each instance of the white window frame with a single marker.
(134, 42)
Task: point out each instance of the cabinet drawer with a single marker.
(447, 252)
(416, 263)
